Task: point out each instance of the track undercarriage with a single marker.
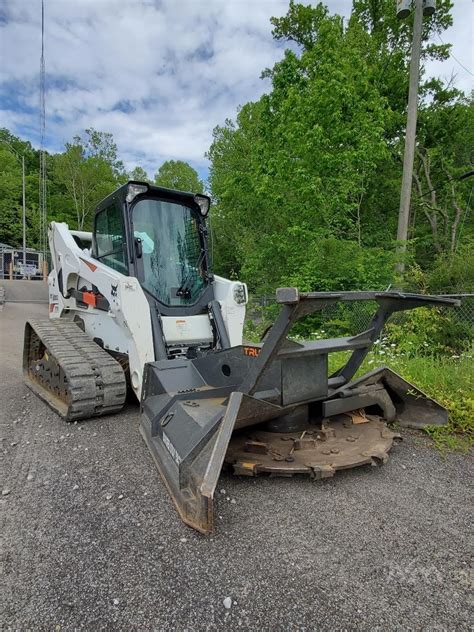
(70, 371)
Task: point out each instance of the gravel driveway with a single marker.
(92, 541)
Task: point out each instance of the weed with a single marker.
(448, 378)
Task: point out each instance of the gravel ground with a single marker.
(92, 541)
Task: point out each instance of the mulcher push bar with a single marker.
(298, 304)
(190, 408)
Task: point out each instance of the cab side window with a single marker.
(110, 244)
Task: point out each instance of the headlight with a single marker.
(240, 295)
(204, 203)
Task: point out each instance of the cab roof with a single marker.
(186, 198)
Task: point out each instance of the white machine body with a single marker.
(125, 328)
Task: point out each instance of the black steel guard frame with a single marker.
(297, 304)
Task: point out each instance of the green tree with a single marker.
(87, 171)
(177, 174)
(445, 151)
(101, 146)
(389, 49)
(11, 198)
(12, 149)
(139, 174)
(293, 169)
(308, 178)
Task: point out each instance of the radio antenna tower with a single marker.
(43, 239)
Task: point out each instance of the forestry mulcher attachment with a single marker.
(134, 303)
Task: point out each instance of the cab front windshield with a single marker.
(172, 256)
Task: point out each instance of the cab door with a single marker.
(110, 241)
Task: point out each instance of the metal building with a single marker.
(12, 266)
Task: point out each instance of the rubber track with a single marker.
(95, 380)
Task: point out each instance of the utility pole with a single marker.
(410, 139)
(24, 208)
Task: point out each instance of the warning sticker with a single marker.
(171, 449)
(181, 326)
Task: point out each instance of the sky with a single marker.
(158, 74)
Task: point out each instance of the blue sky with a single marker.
(158, 75)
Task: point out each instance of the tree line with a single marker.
(77, 179)
(306, 180)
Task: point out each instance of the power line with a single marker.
(468, 174)
(43, 240)
(455, 58)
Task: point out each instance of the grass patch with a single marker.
(448, 378)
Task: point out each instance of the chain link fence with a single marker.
(348, 318)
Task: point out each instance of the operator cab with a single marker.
(159, 236)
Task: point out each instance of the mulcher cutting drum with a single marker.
(273, 408)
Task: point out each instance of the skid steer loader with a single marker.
(134, 304)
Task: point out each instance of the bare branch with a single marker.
(457, 218)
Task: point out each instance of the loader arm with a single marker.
(108, 305)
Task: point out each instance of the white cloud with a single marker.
(461, 63)
(176, 68)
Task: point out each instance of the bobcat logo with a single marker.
(113, 290)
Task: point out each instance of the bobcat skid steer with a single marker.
(134, 304)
